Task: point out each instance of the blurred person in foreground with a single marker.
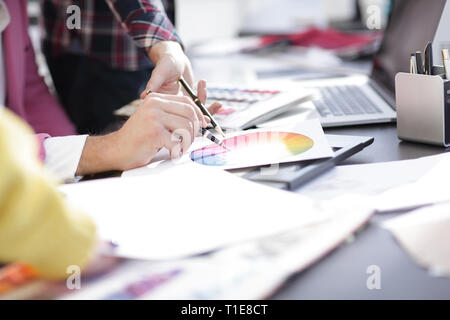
(36, 226)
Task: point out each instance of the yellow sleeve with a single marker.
(36, 225)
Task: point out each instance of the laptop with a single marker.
(361, 99)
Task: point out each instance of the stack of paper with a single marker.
(188, 210)
(255, 270)
(249, 270)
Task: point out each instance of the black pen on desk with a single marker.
(419, 62)
(201, 106)
(428, 56)
(208, 135)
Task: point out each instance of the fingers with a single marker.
(215, 107)
(181, 127)
(143, 93)
(201, 91)
(182, 106)
(202, 95)
(169, 67)
(175, 117)
(176, 151)
(157, 79)
(188, 74)
(171, 143)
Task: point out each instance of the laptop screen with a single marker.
(411, 25)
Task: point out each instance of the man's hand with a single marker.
(170, 65)
(161, 121)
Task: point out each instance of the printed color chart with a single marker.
(260, 146)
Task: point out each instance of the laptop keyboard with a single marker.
(344, 101)
(238, 99)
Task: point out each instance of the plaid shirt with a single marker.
(116, 32)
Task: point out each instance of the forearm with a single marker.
(100, 154)
(145, 21)
(165, 49)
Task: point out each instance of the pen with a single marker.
(201, 106)
(413, 64)
(446, 60)
(213, 138)
(428, 52)
(207, 134)
(419, 62)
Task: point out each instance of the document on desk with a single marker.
(249, 270)
(424, 234)
(431, 188)
(188, 210)
(369, 179)
(257, 269)
(303, 141)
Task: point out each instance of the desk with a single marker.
(342, 274)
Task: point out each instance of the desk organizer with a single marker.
(423, 108)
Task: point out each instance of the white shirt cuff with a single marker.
(62, 155)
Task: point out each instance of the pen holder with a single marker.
(423, 108)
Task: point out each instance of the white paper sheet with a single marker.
(425, 235)
(187, 210)
(255, 270)
(432, 188)
(311, 129)
(369, 179)
(251, 270)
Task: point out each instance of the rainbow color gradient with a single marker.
(255, 147)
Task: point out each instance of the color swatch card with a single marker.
(303, 141)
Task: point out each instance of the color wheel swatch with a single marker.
(252, 149)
